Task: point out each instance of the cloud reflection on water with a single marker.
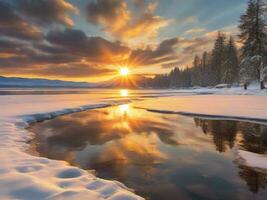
(142, 149)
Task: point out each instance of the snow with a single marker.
(222, 86)
(253, 89)
(24, 176)
(252, 159)
(240, 107)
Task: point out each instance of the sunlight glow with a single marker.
(124, 71)
(124, 109)
(124, 93)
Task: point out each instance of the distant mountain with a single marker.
(131, 81)
(36, 82)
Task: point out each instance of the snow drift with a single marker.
(23, 176)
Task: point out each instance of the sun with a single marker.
(124, 71)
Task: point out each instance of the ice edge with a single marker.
(208, 116)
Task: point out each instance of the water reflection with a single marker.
(251, 137)
(124, 109)
(255, 180)
(161, 156)
(124, 93)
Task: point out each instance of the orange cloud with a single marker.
(117, 19)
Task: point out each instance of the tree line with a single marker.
(225, 64)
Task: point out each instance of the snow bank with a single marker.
(23, 176)
(252, 159)
(252, 90)
(239, 107)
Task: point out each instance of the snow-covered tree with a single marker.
(246, 72)
(254, 37)
(263, 76)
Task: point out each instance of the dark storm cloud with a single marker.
(12, 25)
(46, 12)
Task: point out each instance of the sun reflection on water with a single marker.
(124, 109)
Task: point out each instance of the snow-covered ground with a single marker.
(23, 176)
(253, 89)
(252, 159)
(240, 107)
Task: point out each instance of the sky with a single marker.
(90, 40)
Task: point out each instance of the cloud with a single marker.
(10, 47)
(147, 25)
(195, 31)
(188, 20)
(66, 46)
(12, 25)
(71, 53)
(93, 49)
(46, 12)
(64, 53)
(111, 14)
(70, 70)
(188, 48)
(164, 52)
(116, 18)
(74, 70)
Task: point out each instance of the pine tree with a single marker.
(253, 35)
(196, 79)
(174, 77)
(230, 67)
(245, 73)
(218, 57)
(205, 60)
(204, 68)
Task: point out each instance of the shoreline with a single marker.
(48, 178)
